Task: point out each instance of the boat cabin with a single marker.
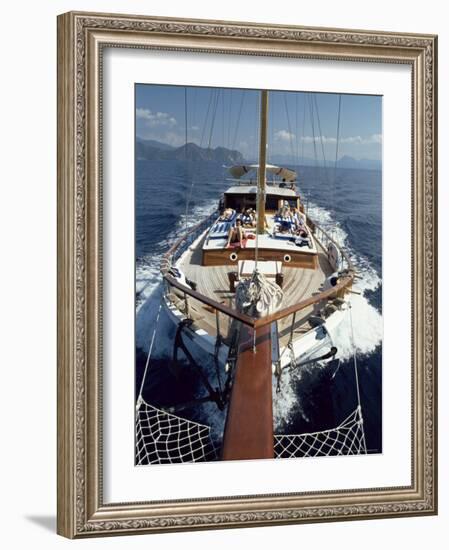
(242, 197)
(285, 238)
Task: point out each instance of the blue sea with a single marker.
(174, 195)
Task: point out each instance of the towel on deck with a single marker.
(237, 244)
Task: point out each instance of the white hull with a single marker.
(309, 343)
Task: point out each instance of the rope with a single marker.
(164, 438)
(313, 136)
(139, 399)
(228, 140)
(194, 174)
(214, 116)
(338, 138)
(321, 139)
(303, 134)
(296, 135)
(303, 127)
(290, 139)
(258, 126)
(336, 156)
(218, 342)
(362, 439)
(238, 119)
(355, 358)
(185, 117)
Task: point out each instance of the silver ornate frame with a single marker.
(81, 39)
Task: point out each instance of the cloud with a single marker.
(374, 138)
(324, 139)
(155, 119)
(283, 135)
(174, 139)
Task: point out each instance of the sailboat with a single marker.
(261, 288)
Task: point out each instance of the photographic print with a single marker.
(246, 274)
(258, 254)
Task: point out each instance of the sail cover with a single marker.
(240, 170)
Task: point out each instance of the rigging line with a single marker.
(337, 146)
(258, 130)
(297, 126)
(290, 137)
(212, 92)
(303, 126)
(223, 118)
(228, 139)
(303, 134)
(357, 379)
(271, 114)
(321, 139)
(149, 352)
(355, 360)
(189, 195)
(193, 117)
(258, 123)
(238, 119)
(313, 135)
(185, 118)
(214, 117)
(187, 163)
(218, 342)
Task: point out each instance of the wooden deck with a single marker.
(213, 282)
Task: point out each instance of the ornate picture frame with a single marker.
(82, 38)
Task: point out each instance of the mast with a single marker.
(261, 176)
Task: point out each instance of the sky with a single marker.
(301, 124)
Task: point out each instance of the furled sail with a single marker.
(240, 170)
(257, 296)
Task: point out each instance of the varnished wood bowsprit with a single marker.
(249, 424)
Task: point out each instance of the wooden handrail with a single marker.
(305, 303)
(245, 319)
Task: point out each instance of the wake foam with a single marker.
(149, 288)
(366, 320)
(366, 330)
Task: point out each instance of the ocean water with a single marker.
(171, 196)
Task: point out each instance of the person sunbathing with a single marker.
(302, 238)
(248, 218)
(281, 227)
(227, 215)
(284, 210)
(236, 235)
(297, 220)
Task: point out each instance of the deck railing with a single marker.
(181, 245)
(325, 239)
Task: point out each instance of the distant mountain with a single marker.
(154, 143)
(150, 148)
(153, 150)
(343, 162)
